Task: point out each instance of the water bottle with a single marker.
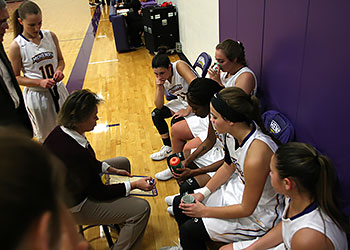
(188, 199)
(175, 163)
(217, 67)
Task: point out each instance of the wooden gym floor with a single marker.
(126, 82)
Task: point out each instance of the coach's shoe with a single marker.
(169, 199)
(170, 210)
(164, 175)
(163, 153)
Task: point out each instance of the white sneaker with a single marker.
(163, 153)
(164, 175)
(170, 210)
(169, 199)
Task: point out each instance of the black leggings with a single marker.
(159, 116)
(189, 185)
(193, 234)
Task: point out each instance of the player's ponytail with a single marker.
(314, 174)
(326, 195)
(17, 27)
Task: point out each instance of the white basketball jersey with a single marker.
(178, 85)
(38, 61)
(231, 81)
(269, 208)
(238, 158)
(311, 218)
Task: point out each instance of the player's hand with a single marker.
(214, 75)
(58, 76)
(47, 83)
(181, 113)
(185, 163)
(159, 81)
(184, 174)
(198, 196)
(196, 209)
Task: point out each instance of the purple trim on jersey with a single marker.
(24, 37)
(77, 76)
(307, 210)
(246, 235)
(40, 34)
(246, 138)
(276, 210)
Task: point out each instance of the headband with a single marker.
(225, 111)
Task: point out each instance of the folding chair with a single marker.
(203, 62)
(105, 230)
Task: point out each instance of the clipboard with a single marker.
(108, 179)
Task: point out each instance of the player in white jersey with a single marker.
(312, 218)
(238, 202)
(233, 69)
(37, 54)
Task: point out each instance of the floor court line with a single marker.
(77, 76)
(107, 61)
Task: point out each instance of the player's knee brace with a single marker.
(189, 185)
(158, 118)
(175, 120)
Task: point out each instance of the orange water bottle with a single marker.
(175, 163)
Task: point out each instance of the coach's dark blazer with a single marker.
(9, 116)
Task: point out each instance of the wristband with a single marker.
(204, 191)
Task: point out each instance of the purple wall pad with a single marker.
(305, 68)
(284, 39)
(323, 111)
(228, 19)
(250, 31)
(77, 76)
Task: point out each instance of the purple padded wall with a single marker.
(228, 19)
(250, 31)
(305, 67)
(245, 25)
(284, 36)
(323, 113)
